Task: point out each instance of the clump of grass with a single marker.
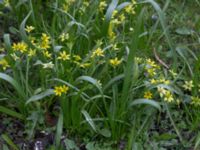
(78, 64)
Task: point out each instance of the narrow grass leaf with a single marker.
(146, 102)
(59, 129)
(90, 80)
(11, 113)
(89, 120)
(7, 42)
(40, 96)
(113, 81)
(9, 142)
(14, 83)
(197, 143)
(22, 30)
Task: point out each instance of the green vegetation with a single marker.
(99, 75)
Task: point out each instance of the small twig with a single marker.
(159, 60)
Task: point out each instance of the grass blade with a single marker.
(9, 142)
(40, 96)
(146, 102)
(14, 83)
(11, 113)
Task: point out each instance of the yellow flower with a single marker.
(174, 74)
(164, 81)
(152, 63)
(98, 52)
(48, 65)
(161, 91)
(195, 101)
(63, 56)
(4, 64)
(153, 81)
(31, 52)
(29, 28)
(86, 4)
(64, 36)
(114, 13)
(168, 97)
(45, 41)
(84, 65)
(59, 90)
(130, 9)
(102, 6)
(151, 71)
(77, 57)
(122, 18)
(6, 3)
(21, 46)
(115, 21)
(148, 95)
(111, 33)
(138, 59)
(47, 54)
(14, 56)
(115, 62)
(188, 85)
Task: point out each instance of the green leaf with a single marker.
(59, 129)
(11, 112)
(14, 83)
(113, 80)
(89, 120)
(146, 102)
(197, 143)
(184, 31)
(23, 32)
(165, 136)
(9, 142)
(40, 96)
(70, 145)
(90, 80)
(6, 38)
(105, 132)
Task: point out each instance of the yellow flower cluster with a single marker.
(64, 36)
(160, 81)
(59, 90)
(151, 67)
(102, 6)
(21, 46)
(45, 41)
(66, 5)
(165, 94)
